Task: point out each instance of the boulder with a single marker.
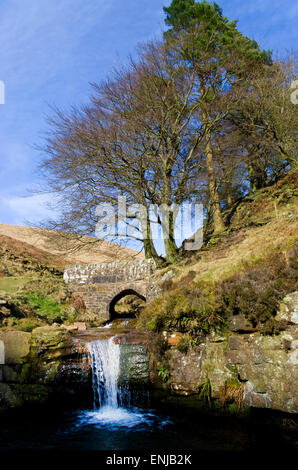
(16, 346)
(9, 399)
(50, 340)
(238, 323)
(289, 309)
(76, 326)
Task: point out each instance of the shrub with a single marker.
(205, 391)
(257, 292)
(191, 311)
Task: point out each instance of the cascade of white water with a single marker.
(105, 360)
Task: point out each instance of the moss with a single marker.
(190, 310)
(25, 372)
(234, 374)
(48, 339)
(27, 324)
(183, 345)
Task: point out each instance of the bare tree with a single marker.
(139, 138)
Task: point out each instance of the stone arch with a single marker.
(2, 352)
(119, 294)
(98, 284)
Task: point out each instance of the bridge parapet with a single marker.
(109, 272)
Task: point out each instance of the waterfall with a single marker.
(113, 405)
(105, 361)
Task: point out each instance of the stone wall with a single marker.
(99, 284)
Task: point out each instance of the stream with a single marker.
(112, 423)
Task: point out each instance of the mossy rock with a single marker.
(8, 397)
(16, 346)
(288, 310)
(134, 364)
(49, 338)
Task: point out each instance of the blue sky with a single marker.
(50, 50)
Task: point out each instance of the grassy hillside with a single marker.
(84, 250)
(245, 272)
(32, 290)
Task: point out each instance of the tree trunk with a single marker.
(257, 177)
(168, 224)
(150, 251)
(218, 221)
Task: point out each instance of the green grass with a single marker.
(11, 285)
(46, 308)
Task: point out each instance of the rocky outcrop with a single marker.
(265, 368)
(261, 370)
(40, 365)
(51, 363)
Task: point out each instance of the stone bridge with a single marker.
(102, 285)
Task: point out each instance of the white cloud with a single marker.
(21, 210)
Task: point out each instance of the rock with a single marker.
(2, 352)
(240, 323)
(236, 342)
(215, 366)
(49, 339)
(216, 338)
(255, 399)
(174, 339)
(134, 364)
(74, 373)
(185, 370)
(70, 328)
(81, 326)
(267, 365)
(11, 373)
(16, 345)
(289, 309)
(9, 399)
(245, 356)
